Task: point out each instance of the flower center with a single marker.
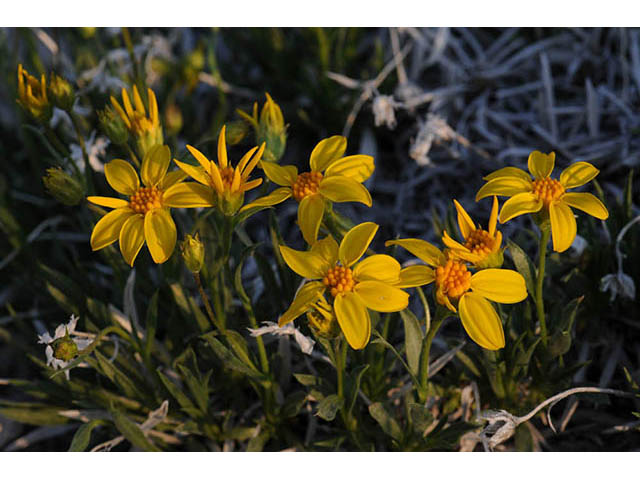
(453, 279)
(306, 184)
(145, 199)
(547, 190)
(480, 242)
(339, 280)
(227, 177)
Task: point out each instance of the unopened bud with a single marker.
(63, 187)
(61, 92)
(272, 130)
(236, 131)
(193, 253)
(113, 126)
(173, 119)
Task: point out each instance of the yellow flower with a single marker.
(145, 215)
(332, 178)
(353, 286)
(456, 285)
(481, 247)
(144, 127)
(546, 195)
(228, 184)
(32, 95)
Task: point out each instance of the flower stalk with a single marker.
(542, 256)
(441, 314)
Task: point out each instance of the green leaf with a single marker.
(353, 385)
(524, 265)
(230, 360)
(179, 395)
(132, 432)
(257, 443)
(420, 416)
(380, 339)
(560, 341)
(81, 439)
(239, 346)
(293, 403)
(35, 416)
(329, 406)
(113, 373)
(413, 339)
(151, 324)
(386, 422)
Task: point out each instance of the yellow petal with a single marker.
(587, 203)
(199, 174)
(188, 195)
(155, 165)
(499, 285)
(306, 264)
(327, 151)
(578, 174)
(284, 176)
(353, 318)
(563, 225)
(279, 195)
(160, 234)
(509, 172)
(137, 101)
(356, 242)
(107, 230)
(415, 276)
(245, 187)
(541, 164)
(120, 112)
(108, 202)
(464, 221)
(132, 238)
(153, 106)
(430, 254)
(246, 171)
(327, 248)
(172, 178)
(310, 212)
(519, 205)
(308, 294)
(127, 103)
(344, 189)
(504, 186)
(381, 297)
(356, 167)
(222, 148)
(481, 322)
(493, 219)
(377, 267)
(245, 159)
(202, 160)
(452, 244)
(122, 177)
(216, 177)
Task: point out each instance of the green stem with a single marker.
(426, 351)
(133, 156)
(340, 356)
(542, 254)
(85, 155)
(207, 305)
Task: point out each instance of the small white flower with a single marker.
(578, 246)
(60, 332)
(435, 129)
(96, 149)
(383, 111)
(618, 283)
(305, 343)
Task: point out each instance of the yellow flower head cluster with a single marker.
(226, 183)
(332, 178)
(144, 215)
(338, 276)
(546, 195)
(32, 95)
(144, 127)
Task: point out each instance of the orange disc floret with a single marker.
(145, 199)
(306, 184)
(453, 279)
(339, 280)
(547, 189)
(480, 242)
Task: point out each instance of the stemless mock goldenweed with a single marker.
(145, 216)
(32, 95)
(467, 293)
(546, 195)
(144, 127)
(228, 184)
(354, 286)
(332, 178)
(481, 247)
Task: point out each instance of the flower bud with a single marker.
(269, 128)
(61, 92)
(63, 187)
(193, 253)
(236, 131)
(113, 126)
(322, 321)
(64, 348)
